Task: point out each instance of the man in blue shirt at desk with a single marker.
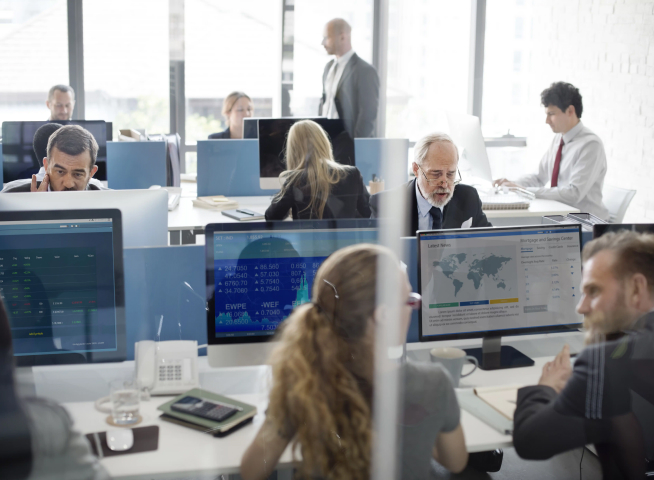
(69, 165)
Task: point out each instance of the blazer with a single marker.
(464, 204)
(220, 135)
(21, 186)
(349, 198)
(357, 97)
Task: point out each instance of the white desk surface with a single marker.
(182, 452)
(210, 455)
(187, 217)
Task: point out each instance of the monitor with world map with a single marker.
(493, 282)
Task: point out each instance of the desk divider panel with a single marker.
(371, 153)
(136, 165)
(410, 258)
(168, 281)
(230, 168)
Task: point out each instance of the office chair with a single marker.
(617, 200)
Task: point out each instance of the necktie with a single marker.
(331, 76)
(436, 218)
(557, 165)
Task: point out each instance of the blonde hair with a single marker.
(310, 163)
(229, 102)
(323, 367)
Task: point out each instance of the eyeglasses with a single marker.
(434, 181)
(414, 301)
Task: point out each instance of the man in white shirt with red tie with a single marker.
(573, 168)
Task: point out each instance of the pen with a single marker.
(245, 212)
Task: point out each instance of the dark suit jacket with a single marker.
(465, 204)
(347, 199)
(22, 187)
(357, 97)
(220, 135)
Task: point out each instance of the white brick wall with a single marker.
(606, 49)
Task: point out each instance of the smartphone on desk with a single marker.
(200, 407)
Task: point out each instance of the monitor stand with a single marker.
(493, 356)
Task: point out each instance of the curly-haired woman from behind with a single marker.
(321, 396)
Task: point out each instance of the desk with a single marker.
(249, 384)
(186, 221)
(182, 452)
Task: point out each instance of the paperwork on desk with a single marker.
(492, 405)
(508, 201)
(215, 202)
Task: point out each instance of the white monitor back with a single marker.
(465, 130)
(144, 212)
(239, 354)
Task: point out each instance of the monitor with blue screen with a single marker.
(61, 281)
(258, 272)
(491, 282)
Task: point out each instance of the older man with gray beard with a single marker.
(436, 198)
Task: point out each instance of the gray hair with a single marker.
(73, 140)
(61, 88)
(422, 145)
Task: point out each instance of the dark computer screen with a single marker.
(272, 143)
(19, 159)
(503, 281)
(257, 274)
(61, 282)
(602, 228)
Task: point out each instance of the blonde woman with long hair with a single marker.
(314, 185)
(236, 107)
(321, 396)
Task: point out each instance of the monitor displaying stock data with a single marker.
(257, 275)
(59, 283)
(498, 281)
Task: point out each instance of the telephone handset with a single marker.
(168, 367)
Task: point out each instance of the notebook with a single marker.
(244, 215)
(215, 202)
(509, 201)
(217, 429)
(501, 398)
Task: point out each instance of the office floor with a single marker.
(561, 467)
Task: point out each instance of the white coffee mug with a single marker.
(453, 360)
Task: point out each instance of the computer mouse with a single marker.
(120, 440)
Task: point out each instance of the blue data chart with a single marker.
(259, 280)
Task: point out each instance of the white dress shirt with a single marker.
(425, 220)
(331, 83)
(581, 173)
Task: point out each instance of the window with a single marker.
(229, 46)
(423, 87)
(517, 61)
(126, 64)
(310, 57)
(33, 56)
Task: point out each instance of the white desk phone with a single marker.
(163, 368)
(167, 368)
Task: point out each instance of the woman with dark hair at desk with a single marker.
(236, 107)
(322, 371)
(36, 436)
(314, 186)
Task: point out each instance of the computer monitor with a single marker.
(272, 146)
(258, 272)
(19, 159)
(491, 282)
(251, 128)
(144, 212)
(602, 228)
(473, 159)
(61, 280)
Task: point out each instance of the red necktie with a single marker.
(557, 165)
